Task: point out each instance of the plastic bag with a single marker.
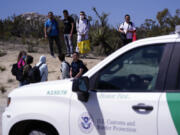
(84, 46)
(134, 36)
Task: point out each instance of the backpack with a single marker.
(18, 72)
(85, 69)
(68, 64)
(34, 74)
(14, 69)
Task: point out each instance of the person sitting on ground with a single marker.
(26, 69)
(76, 69)
(43, 68)
(65, 67)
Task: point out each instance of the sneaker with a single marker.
(84, 56)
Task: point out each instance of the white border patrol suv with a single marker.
(134, 91)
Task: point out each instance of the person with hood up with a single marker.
(43, 68)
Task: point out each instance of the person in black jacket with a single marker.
(77, 68)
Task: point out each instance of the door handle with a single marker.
(142, 108)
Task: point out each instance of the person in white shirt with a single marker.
(43, 68)
(127, 29)
(82, 26)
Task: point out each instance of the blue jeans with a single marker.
(68, 42)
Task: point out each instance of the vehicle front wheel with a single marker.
(40, 131)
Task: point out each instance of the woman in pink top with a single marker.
(21, 63)
(21, 59)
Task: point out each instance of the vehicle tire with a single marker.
(41, 130)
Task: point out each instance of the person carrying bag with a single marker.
(82, 26)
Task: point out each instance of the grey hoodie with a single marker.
(65, 69)
(43, 68)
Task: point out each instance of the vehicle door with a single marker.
(124, 95)
(169, 105)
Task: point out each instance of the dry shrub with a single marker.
(2, 53)
(2, 89)
(10, 80)
(2, 68)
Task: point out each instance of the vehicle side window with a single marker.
(135, 70)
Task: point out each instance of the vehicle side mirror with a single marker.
(81, 87)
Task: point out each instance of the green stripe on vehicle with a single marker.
(173, 100)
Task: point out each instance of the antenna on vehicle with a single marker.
(177, 29)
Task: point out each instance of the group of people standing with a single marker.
(24, 71)
(81, 28)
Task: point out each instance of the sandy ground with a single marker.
(8, 81)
